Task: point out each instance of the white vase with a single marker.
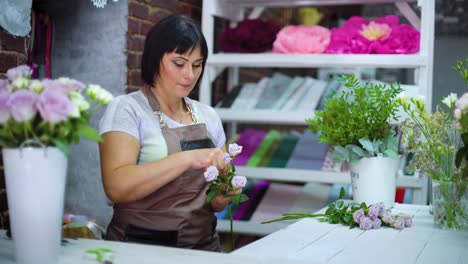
(374, 180)
(35, 184)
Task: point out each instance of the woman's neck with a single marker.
(169, 105)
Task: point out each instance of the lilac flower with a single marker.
(211, 173)
(55, 85)
(238, 181)
(399, 223)
(366, 223)
(387, 217)
(4, 109)
(22, 105)
(20, 71)
(71, 84)
(234, 149)
(408, 220)
(3, 85)
(376, 209)
(227, 158)
(358, 215)
(377, 223)
(54, 106)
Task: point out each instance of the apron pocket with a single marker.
(196, 144)
(152, 237)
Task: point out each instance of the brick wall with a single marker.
(142, 15)
(11, 54)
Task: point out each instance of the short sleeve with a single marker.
(218, 135)
(120, 115)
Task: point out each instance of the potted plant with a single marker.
(439, 141)
(358, 124)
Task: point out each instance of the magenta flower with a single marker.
(234, 149)
(250, 35)
(366, 223)
(358, 215)
(22, 105)
(54, 106)
(384, 35)
(211, 173)
(238, 181)
(20, 71)
(4, 109)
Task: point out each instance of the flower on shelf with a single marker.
(52, 112)
(226, 182)
(461, 116)
(384, 35)
(355, 215)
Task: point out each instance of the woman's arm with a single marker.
(125, 181)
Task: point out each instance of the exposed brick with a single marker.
(155, 16)
(135, 42)
(166, 4)
(22, 59)
(8, 60)
(10, 42)
(134, 78)
(145, 27)
(138, 10)
(185, 9)
(133, 61)
(134, 26)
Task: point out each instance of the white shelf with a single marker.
(298, 175)
(264, 116)
(319, 60)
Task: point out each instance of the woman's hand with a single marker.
(204, 158)
(220, 201)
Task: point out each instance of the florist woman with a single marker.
(157, 144)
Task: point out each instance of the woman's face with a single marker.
(180, 72)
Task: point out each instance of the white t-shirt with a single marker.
(132, 114)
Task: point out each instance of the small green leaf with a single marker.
(367, 145)
(339, 203)
(89, 133)
(62, 145)
(342, 193)
(390, 153)
(212, 194)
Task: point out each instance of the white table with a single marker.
(311, 241)
(305, 241)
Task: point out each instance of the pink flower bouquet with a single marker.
(51, 112)
(384, 35)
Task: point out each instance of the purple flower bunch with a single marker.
(52, 112)
(228, 183)
(355, 215)
(376, 215)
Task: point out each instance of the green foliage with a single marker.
(360, 114)
(462, 68)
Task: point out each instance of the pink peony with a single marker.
(54, 106)
(302, 39)
(22, 105)
(384, 35)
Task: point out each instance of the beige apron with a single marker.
(178, 213)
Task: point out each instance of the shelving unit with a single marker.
(234, 11)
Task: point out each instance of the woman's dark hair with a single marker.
(174, 33)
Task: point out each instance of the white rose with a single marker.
(36, 86)
(79, 101)
(20, 83)
(450, 100)
(96, 92)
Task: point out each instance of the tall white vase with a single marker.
(374, 180)
(35, 184)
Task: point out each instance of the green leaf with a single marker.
(459, 157)
(339, 203)
(89, 133)
(62, 145)
(239, 198)
(367, 145)
(342, 193)
(212, 194)
(390, 153)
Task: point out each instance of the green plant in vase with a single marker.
(358, 124)
(436, 141)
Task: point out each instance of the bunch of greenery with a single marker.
(461, 115)
(358, 122)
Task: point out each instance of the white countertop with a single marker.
(317, 242)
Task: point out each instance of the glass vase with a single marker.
(450, 204)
